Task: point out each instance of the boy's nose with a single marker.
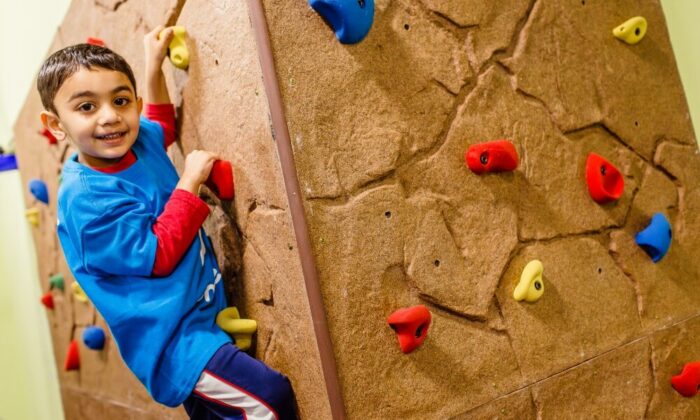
(108, 115)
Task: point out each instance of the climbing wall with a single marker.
(378, 131)
(222, 107)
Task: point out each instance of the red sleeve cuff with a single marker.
(164, 114)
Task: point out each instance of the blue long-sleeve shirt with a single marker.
(165, 327)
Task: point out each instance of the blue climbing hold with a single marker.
(94, 338)
(39, 190)
(351, 20)
(656, 238)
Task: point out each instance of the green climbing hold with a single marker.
(56, 281)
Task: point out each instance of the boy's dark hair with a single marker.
(64, 63)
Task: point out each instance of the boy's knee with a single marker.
(280, 394)
(281, 385)
(274, 387)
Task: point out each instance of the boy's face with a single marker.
(98, 112)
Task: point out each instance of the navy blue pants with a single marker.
(237, 386)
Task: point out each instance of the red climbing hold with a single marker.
(47, 300)
(411, 326)
(688, 381)
(51, 139)
(221, 180)
(494, 156)
(72, 361)
(95, 41)
(605, 182)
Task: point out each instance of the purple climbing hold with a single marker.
(7, 162)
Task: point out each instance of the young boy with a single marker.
(131, 233)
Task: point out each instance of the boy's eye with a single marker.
(121, 101)
(86, 107)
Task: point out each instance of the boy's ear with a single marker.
(53, 124)
(139, 104)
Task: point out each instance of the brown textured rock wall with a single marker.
(397, 219)
(222, 107)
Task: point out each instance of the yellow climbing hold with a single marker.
(179, 55)
(242, 330)
(530, 287)
(32, 216)
(632, 31)
(78, 292)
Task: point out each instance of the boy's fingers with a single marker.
(158, 29)
(167, 36)
(155, 31)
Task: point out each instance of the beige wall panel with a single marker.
(379, 130)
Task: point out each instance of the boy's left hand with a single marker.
(156, 48)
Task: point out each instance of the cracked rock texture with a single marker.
(397, 219)
(379, 130)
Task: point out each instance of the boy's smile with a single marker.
(98, 111)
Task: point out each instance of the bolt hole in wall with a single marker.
(387, 214)
(484, 158)
(406, 26)
(437, 263)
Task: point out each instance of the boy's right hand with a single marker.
(198, 166)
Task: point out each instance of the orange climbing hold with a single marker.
(72, 361)
(411, 326)
(47, 300)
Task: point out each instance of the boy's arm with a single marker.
(176, 228)
(158, 106)
(183, 215)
